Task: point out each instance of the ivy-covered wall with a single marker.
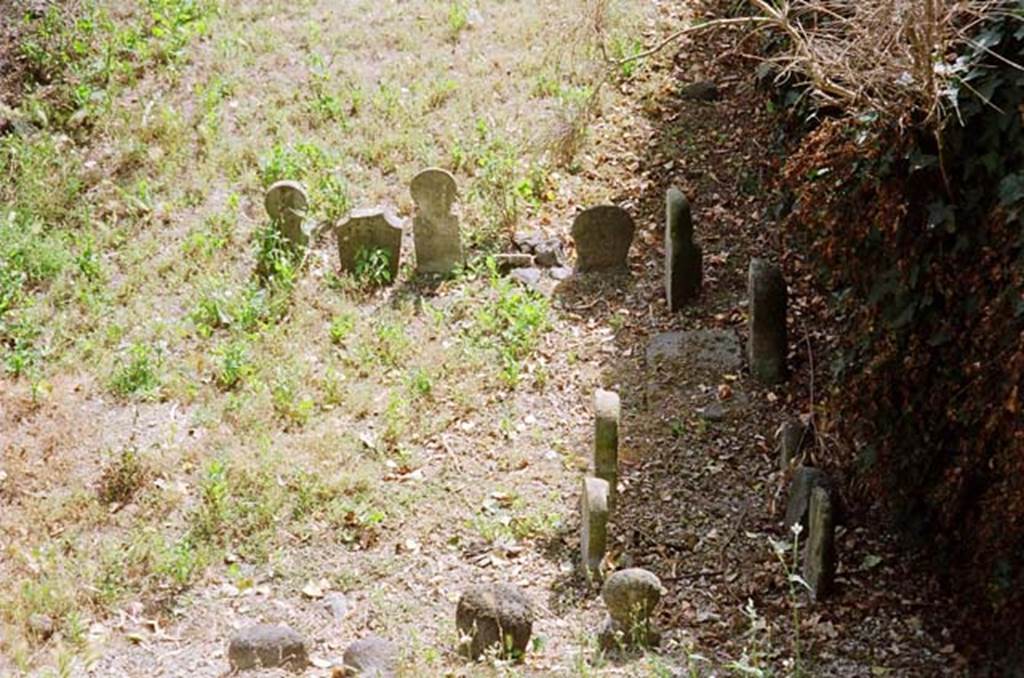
(918, 238)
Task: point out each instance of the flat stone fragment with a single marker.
(820, 554)
(767, 345)
(603, 236)
(367, 230)
(607, 413)
(530, 277)
(435, 227)
(509, 261)
(684, 260)
(496, 618)
(631, 597)
(805, 479)
(714, 349)
(287, 204)
(267, 646)
(371, 657)
(561, 273)
(594, 538)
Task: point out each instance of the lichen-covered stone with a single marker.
(267, 646)
(767, 345)
(603, 236)
(594, 537)
(495, 617)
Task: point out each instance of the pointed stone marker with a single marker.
(435, 227)
(287, 204)
(367, 230)
(684, 260)
(791, 436)
(603, 235)
(820, 555)
(594, 539)
(767, 347)
(607, 411)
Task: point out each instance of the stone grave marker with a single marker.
(286, 203)
(805, 479)
(684, 261)
(607, 412)
(267, 646)
(631, 597)
(435, 227)
(767, 345)
(367, 230)
(495, 616)
(594, 538)
(820, 554)
(792, 436)
(603, 235)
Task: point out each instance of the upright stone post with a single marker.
(435, 226)
(820, 556)
(767, 345)
(594, 537)
(683, 258)
(606, 441)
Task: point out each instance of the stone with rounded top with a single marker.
(607, 412)
(767, 344)
(371, 657)
(594, 536)
(603, 236)
(683, 257)
(435, 226)
(267, 646)
(367, 230)
(631, 595)
(495, 618)
(287, 204)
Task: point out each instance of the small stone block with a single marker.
(366, 230)
(820, 555)
(267, 646)
(767, 345)
(792, 436)
(594, 538)
(603, 236)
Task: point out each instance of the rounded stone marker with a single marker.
(286, 203)
(495, 616)
(631, 594)
(267, 646)
(371, 657)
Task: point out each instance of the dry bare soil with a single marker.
(189, 446)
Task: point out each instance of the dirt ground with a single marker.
(483, 483)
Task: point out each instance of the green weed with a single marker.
(137, 373)
(372, 267)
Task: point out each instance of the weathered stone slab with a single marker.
(713, 349)
(435, 227)
(631, 597)
(820, 554)
(607, 413)
(791, 437)
(367, 230)
(603, 235)
(594, 538)
(267, 646)
(805, 479)
(684, 260)
(287, 204)
(767, 345)
(497, 618)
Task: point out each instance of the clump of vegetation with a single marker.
(123, 478)
(372, 267)
(137, 373)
